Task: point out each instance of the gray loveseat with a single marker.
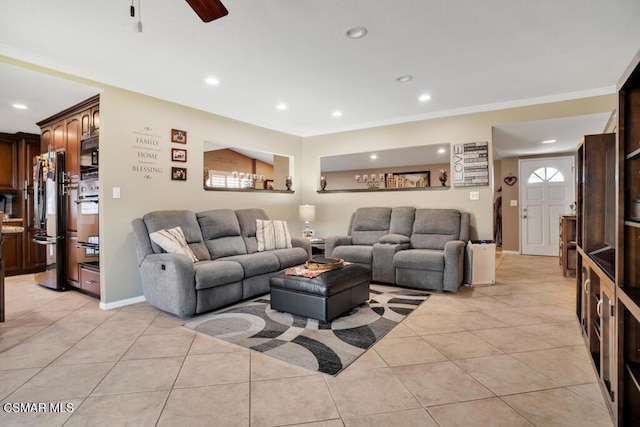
(229, 266)
(418, 248)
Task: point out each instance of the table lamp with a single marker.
(307, 213)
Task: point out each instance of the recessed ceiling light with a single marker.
(404, 79)
(337, 114)
(374, 156)
(356, 32)
(20, 106)
(442, 151)
(281, 106)
(548, 141)
(212, 81)
(424, 97)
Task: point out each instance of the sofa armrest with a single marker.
(382, 266)
(453, 265)
(333, 242)
(168, 283)
(394, 239)
(302, 242)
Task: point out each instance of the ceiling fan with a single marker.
(208, 10)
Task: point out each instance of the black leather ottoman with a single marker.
(324, 297)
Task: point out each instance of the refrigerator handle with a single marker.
(26, 189)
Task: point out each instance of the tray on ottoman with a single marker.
(323, 297)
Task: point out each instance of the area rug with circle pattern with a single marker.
(326, 347)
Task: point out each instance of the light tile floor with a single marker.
(510, 354)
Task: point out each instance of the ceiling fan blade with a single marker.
(208, 10)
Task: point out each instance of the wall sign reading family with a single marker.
(147, 147)
(471, 164)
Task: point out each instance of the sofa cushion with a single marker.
(247, 220)
(290, 257)
(362, 254)
(369, 224)
(221, 233)
(433, 228)
(394, 239)
(256, 263)
(419, 259)
(209, 274)
(172, 241)
(272, 234)
(186, 220)
(402, 219)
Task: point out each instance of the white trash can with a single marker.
(480, 263)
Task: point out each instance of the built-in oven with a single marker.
(88, 227)
(88, 242)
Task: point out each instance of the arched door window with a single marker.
(545, 175)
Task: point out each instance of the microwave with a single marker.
(89, 159)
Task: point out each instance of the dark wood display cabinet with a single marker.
(628, 260)
(595, 256)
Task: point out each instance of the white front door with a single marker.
(547, 190)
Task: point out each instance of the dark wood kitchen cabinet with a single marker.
(22, 254)
(12, 254)
(9, 162)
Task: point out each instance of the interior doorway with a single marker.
(547, 191)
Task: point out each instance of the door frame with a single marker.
(520, 196)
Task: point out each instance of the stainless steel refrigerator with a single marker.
(50, 217)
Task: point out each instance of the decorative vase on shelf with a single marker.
(443, 177)
(323, 183)
(288, 182)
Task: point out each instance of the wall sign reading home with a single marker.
(470, 164)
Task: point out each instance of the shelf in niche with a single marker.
(634, 371)
(377, 190)
(631, 223)
(634, 155)
(248, 190)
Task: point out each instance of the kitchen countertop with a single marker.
(11, 229)
(5, 220)
(8, 226)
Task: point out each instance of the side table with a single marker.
(317, 246)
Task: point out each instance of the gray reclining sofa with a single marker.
(417, 248)
(229, 266)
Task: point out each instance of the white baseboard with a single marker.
(511, 252)
(122, 303)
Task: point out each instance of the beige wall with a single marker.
(126, 116)
(333, 210)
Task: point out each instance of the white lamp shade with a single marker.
(307, 212)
